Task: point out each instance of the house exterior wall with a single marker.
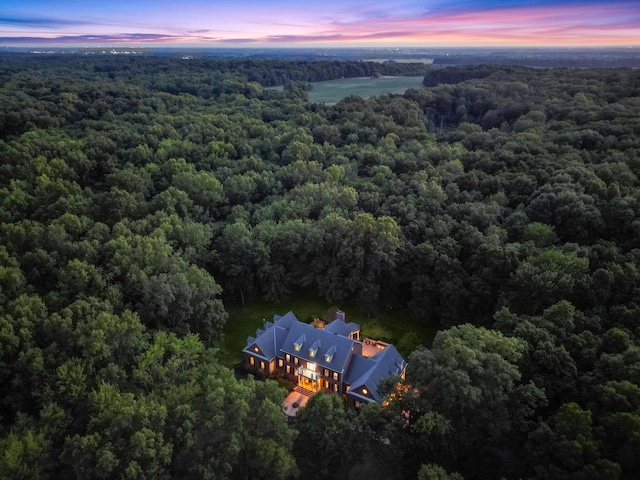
(330, 380)
(255, 362)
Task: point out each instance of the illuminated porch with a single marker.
(308, 378)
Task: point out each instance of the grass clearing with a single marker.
(331, 92)
(387, 326)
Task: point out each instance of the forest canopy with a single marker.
(139, 194)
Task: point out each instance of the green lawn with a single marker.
(389, 326)
(332, 91)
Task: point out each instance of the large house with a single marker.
(331, 358)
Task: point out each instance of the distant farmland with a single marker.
(332, 91)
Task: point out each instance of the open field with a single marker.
(332, 91)
(424, 61)
(388, 326)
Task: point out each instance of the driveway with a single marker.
(294, 397)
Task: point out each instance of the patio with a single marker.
(372, 347)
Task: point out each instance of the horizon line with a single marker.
(319, 47)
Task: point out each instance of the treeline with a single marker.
(271, 73)
(537, 58)
(455, 75)
(137, 193)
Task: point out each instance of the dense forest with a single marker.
(138, 194)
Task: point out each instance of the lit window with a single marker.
(314, 348)
(347, 388)
(280, 362)
(365, 391)
(326, 384)
(328, 356)
(335, 387)
(311, 366)
(288, 368)
(325, 372)
(288, 357)
(252, 361)
(298, 343)
(335, 375)
(262, 365)
(255, 349)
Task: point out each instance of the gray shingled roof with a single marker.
(339, 327)
(285, 321)
(358, 367)
(384, 364)
(270, 340)
(327, 340)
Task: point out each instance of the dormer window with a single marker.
(314, 348)
(329, 355)
(298, 343)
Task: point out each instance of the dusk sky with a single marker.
(336, 23)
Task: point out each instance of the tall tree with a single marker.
(325, 437)
(470, 380)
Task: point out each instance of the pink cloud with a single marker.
(561, 25)
(549, 25)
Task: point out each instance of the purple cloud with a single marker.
(335, 37)
(42, 22)
(114, 38)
